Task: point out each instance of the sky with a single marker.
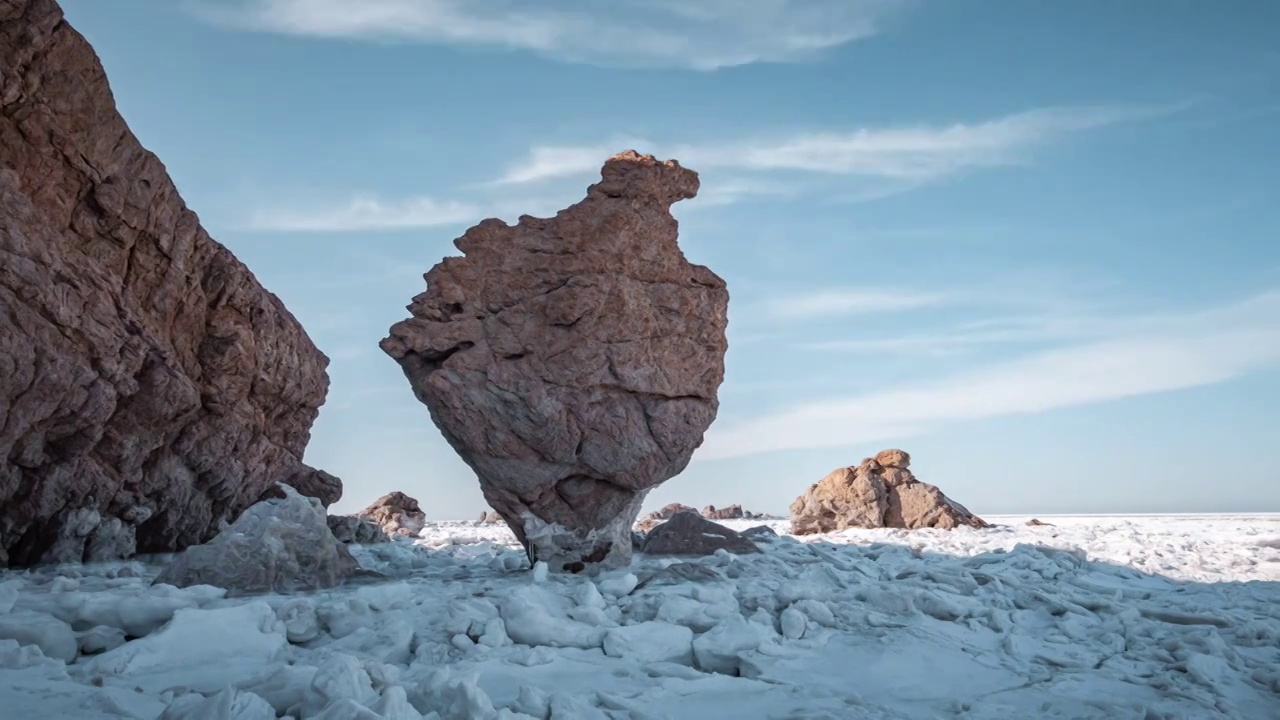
(1034, 244)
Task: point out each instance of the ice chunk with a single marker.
(345, 709)
(53, 636)
(793, 623)
(203, 650)
(280, 544)
(394, 705)
(719, 649)
(226, 704)
(618, 585)
(588, 595)
(534, 616)
(341, 677)
(651, 642)
(285, 687)
(101, 639)
(9, 594)
(300, 620)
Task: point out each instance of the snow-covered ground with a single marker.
(1098, 617)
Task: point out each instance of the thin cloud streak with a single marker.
(1201, 349)
(844, 302)
(909, 155)
(366, 213)
(706, 35)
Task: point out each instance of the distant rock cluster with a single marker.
(711, 512)
(150, 388)
(573, 362)
(880, 492)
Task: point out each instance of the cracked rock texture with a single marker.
(150, 388)
(573, 362)
(395, 514)
(881, 492)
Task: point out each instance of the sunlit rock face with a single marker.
(573, 362)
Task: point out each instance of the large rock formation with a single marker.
(150, 388)
(879, 493)
(278, 545)
(573, 362)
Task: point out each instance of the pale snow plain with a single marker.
(1151, 618)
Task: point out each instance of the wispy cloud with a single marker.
(365, 213)
(906, 155)
(1175, 353)
(702, 35)
(845, 302)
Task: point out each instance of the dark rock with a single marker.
(760, 532)
(688, 533)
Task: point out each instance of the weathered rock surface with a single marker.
(573, 362)
(396, 514)
(879, 493)
(278, 545)
(352, 530)
(688, 533)
(150, 388)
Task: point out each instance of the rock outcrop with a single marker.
(688, 533)
(396, 514)
(879, 493)
(278, 545)
(352, 530)
(573, 362)
(150, 388)
(711, 512)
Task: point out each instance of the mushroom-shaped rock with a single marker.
(573, 362)
(879, 493)
(688, 533)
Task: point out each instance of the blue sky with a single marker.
(1034, 244)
